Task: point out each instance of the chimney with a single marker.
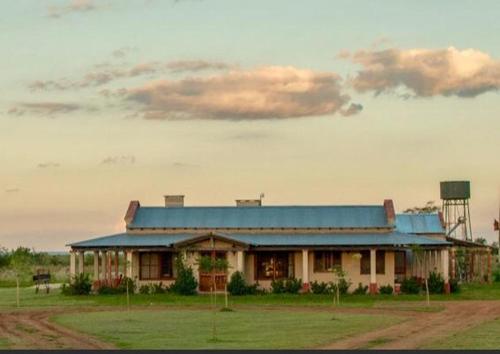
(248, 202)
(174, 201)
(133, 206)
(389, 211)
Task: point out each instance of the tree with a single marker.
(429, 207)
(21, 262)
(481, 241)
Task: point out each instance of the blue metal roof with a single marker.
(336, 239)
(419, 224)
(261, 217)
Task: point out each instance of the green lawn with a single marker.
(484, 336)
(4, 344)
(30, 299)
(241, 329)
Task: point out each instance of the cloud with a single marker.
(196, 65)
(43, 108)
(426, 72)
(12, 190)
(71, 7)
(48, 165)
(262, 93)
(105, 73)
(116, 160)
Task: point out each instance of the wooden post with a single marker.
(373, 271)
(96, 265)
(446, 273)
(305, 270)
(104, 264)
(72, 264)
(117, 255)
(81, 258)
(124, 263)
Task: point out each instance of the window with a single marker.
(365, 262)
(380, 261)
(325, 261)
(155, 265)
(271, 265)
(400, 263)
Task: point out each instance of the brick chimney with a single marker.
(174, 201)
(389, 211)
(248, 202)
(133, 206)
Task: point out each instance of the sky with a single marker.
(309, 102)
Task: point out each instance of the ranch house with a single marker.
(371, 243)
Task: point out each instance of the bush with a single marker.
(496, 274)
(109, 290)
(293, 286)
(386, 289)
(157, 289)
(435, 283)
(185, 283)
(343, 286)
(131, 285)
(320, 288)
(278, 286)
(238, 286)
(454, 286)
(360, 290)
(81, 285)
(144, 289)
(410, 286)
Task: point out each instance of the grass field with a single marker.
(484, 336)
(30, 299)
(241, 329)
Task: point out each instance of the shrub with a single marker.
(238, 286)
(185, 283)
(278, 286)
(81, 285)
(343, 285)
(410, 286)
(454, 286)
(435, 283)
(293, 286)
(496, 274)
(131, 285)
(144, 289)
(386, 289)
(360, 290)
(157, 289)
(109, 290)
(320, 288)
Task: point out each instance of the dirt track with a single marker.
(423, 328)
(31, 329)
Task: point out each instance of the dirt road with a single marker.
(423, 328)
(32, 330)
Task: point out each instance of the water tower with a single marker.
(455, 196)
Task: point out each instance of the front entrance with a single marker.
(207, 279)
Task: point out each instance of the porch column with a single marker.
(96, 265)
(373, 271)
(453, 264)
(124, 263)
(72, 264)
(305, 270)
(117, 258)
(240, 261)
(129, 263)
(80, 262)
(490, 278)
(446, 272)
(104, 263)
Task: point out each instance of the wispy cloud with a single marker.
(73, 6)
(49, 164)
(12, 190)
(426, 72)
(43, 108)
(197, 65)
(262, 93)
(105, 73)
(119, 160)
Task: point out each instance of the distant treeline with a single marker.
(34, 257)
